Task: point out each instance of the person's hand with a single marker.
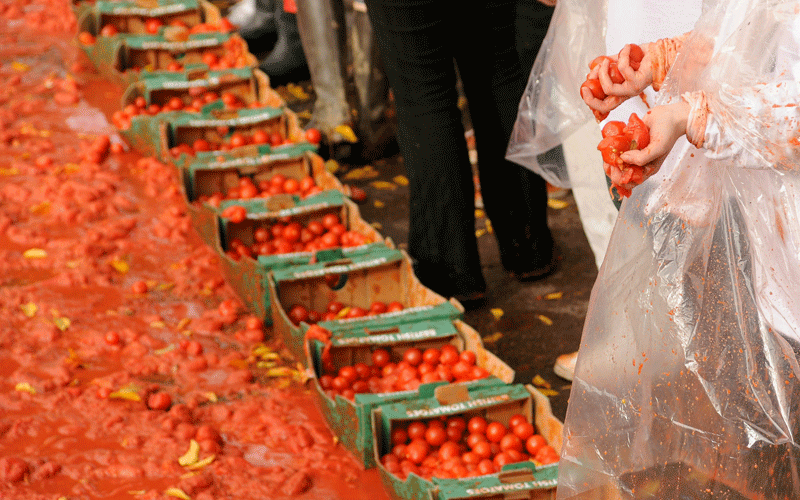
(549, 3)
(636, 80)
(667, 124)
(600, 106)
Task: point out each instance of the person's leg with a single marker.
(514, 197)
(318, 26)
(415, 38)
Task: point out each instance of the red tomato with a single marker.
(595, 87)
(614, 73)
(467, 357)
(449, 355)
(307, 183)
(417, 450)
(483, 449)
(394, 306)
(348, 373)
(461, 370)
(486, 466)
(237, 140)
(596, 61)
(291, 186)
(523, 430)
(330, 220)
(500, 460)
(477, 425)
(108, 30)
(515, 419)
(511, 442)
(431, 355)
(611, 147)
(535, 443)
(298, 313)
(413, 356)
(416, 430)
(356, 312)
(399, 436)
(435, 436)
(339, 383)
(153, 25)
(635, 56)
(495, 432)
(275, 139)
(638, 132)
(313, 136)
(449, 450)
(159, 401)
(291, 232)
(474, 438)
(546, 455)
(260, 137)
(613, 128)
(377, 307)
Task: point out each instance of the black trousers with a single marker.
(419, 40)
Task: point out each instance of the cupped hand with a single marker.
(600, 107)
(635, 80)
(667, 124)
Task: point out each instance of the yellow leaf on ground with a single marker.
(383, 185)
(544, 319)
(332, 166)
(305, 114)
(40, 208)
(177, 493)
(539, 381)
(489, 227)
(125, 393)
(157, 324)
(183, 324)
(34, 253)
(202, 463)
(25, 387)
(211, 396)
(554, 296)
(18, 66)
(556, 204)
(402, 180)
(192, 454)
(297, 91)
(376, 225)
(365, 172)
(29, 309)
(479, 232)
(493, 337)
(346, 132)
(9, 171)
(62, 323)
(120, 265)
(497, 313)
(379, 204)
(549, 392)
(479, 213)
(280, 371)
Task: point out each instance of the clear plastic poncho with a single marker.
(686, 384)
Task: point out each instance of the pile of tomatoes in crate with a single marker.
(199, 98)
(236, 140)
(288, 236)
(415, 368)
(336, 310)
(277, 184)
(455, 447)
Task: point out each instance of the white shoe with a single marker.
(565, 365)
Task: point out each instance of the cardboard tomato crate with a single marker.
(517, 481)
(350, 420)
(385, 275)
(216, 125)
(129, 58)
(130, 17)
(494, 403)
(249, 276)
(143, 132)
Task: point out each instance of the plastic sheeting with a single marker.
(686, 384)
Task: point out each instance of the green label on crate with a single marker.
(179, 81)
(538, 478)
(246, 117)
(458, 407)
(279, 154)
(344, 268)
(145, 42)
(386, 338)
(133, 9)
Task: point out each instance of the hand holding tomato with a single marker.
(633, 64)
(666, 125)
(618, 139)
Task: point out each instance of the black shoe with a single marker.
(534, 269)
(287, 61)
(469, 289)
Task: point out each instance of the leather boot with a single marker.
(287, 61)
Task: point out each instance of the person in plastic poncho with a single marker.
(686, 384)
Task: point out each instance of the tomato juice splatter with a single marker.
(128, 370)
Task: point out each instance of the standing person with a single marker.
(686, 383)
(419, 41)
(337, 34)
